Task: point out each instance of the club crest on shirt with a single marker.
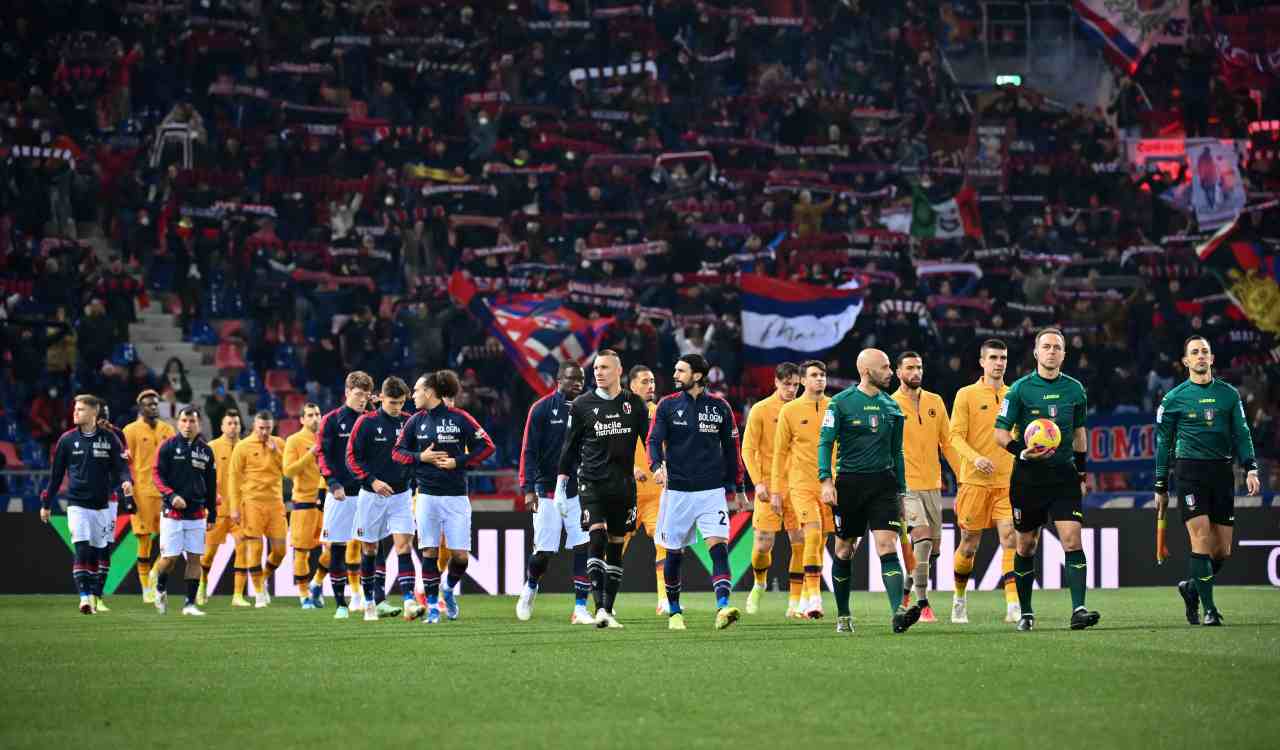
(1191, 501)
(933, 413)
(626, 407)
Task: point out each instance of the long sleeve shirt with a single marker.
(301, 467)
(222, 448)
(257, 472)
(646, 489)
(869, 431)
(758, 443)
(794, 463)
(143, 440)
(369, 451)
(95, 464)
(1202, 422)
(331, 449)
(544, 432)
(926, 433)
(973, 435)
(697, 439)
(603, 433)
(186, 469)
(451, 430)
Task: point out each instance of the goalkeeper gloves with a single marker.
(561, 498)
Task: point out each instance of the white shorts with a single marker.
(378, 517)
(86, 525)
(548, 522)
(447, 514)
(108, 525)
(681, 513)
(339, 519)
(181, 536)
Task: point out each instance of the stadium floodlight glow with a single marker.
(1010, 80)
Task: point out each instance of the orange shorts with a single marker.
(979, 507)
(221, 528)
(647, 513)
(263, 519)
(146, 520)
(764, 519)
(304, 528)
(810, 509)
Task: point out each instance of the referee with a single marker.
(868, 426)
(605, 425)
(1201, 426)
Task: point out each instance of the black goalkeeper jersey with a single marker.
(603, 433)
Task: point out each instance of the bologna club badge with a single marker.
(626, 408)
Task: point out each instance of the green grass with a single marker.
(285, 678)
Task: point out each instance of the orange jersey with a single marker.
(757, 439)
(300, 465)
(973, 434)
(257, 472)
(142, 442)
(924, 434)
(222, 449)
(795, 444)
(648, 489)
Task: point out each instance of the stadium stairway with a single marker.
(157, 336)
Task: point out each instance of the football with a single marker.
(1042, 433)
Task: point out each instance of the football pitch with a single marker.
(282, 677)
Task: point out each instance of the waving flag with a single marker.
(537, 332)
(955, 217)
(1127, 29)
(787, 321)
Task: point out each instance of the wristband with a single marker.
(1080, 461)
(1016, 447)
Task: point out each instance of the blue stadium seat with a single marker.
(286, 358)
(248, 381)
(202, 334)
(125, 354)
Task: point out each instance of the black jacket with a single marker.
(451, 430)
(95, 463)
(544, 432)
(602, 438)
(331, 449)
(185, 468)
(369, 451)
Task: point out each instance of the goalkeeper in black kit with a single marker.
(605, 425)
(1200, 429)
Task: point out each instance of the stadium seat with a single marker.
(293, 403)
(10, 453)
(125, 354)
(248, 381)
(202, 334)
(228, 357)
(288, 426)
(279, 382)
(286, 357)
(229, 329)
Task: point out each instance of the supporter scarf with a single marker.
(612, 252)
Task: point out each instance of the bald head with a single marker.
(874, 369)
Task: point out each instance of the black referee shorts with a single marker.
(611, 501)
(1035, 504)
(1206, 488)
(866, 501)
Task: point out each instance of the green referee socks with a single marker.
(1077, 574)
(1024, 577)
(1202, 577)
(841, 573)
(891, 573)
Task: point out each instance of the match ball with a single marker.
(1042, 433)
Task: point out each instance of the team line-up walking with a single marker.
(597, 466)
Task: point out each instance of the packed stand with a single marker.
(300, 182)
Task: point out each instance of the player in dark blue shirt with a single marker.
(188, 485)
(94, 461)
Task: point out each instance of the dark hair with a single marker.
(785, 370)
(189, 409)
(908, 354)
(1050, 330)
(93, 402)
(805, 365)
(636, 371)
(992, 344)
(264, 416)
(445, 383)
(360, 379)
(698, 365)
(1189, 339)
(311, 405)
(394, 387)
(231, 413)
(565, 366)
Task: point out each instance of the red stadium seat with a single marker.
(10, 453)
(287, 427)
(293, 403)
(279, 381)
(230, 329)
(228, 357)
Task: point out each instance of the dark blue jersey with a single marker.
(95, 464)
(185, 468)
(544, 432)
(369, 451)
(331, 449)
(448, 429)
(698, 440)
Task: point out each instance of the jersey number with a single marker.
(723, 519)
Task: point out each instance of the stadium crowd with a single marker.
(299, 186)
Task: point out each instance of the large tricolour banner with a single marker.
(1248, 47)
(1127, 29)
(788, 321)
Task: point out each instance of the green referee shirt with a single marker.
(1062, 400)
(868, 430)
(1202, 422)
